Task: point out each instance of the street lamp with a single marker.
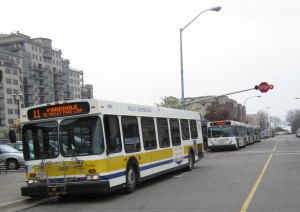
(249, 98)
(245, 106)
(216, 9)
(17, 98)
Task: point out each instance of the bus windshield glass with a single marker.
(81, 136)
(40, 140)
(221, 131)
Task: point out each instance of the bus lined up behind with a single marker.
(95, 146)
(230, 134)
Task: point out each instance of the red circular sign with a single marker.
(263, 87)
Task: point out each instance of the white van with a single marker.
(298, 133)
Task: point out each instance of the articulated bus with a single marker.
(226, 134)
(95, 146)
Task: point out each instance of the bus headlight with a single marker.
(33, 180)
(92, 177)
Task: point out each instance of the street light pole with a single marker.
(17, 98)
(216, 9)
(245, 105)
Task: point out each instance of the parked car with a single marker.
(264, 135)
(12, 157)
(18, 145)
(298, 133)
(270, 133)
(4, 141)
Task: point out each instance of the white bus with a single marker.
(225, 134)
(95, 146)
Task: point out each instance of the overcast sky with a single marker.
(129, 49)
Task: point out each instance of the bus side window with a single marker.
(193, 126)
(131, 134)
(148, 131)
(175, 133)
(163, 132)
(185, 129)
(112, 133)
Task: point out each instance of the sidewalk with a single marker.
(10, 186)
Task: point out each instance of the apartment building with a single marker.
(34, 73)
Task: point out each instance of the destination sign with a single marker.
(220, 123)
(53, 111)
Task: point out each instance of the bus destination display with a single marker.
(53, 111)
(220, 123)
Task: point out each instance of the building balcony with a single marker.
(28, 82)
(59, 88)
(43, 94)
(1, 95)
(57, 73)
(58, 80)
(38, 76)
(10, 63)
(47, 53)
(39, 68)
(2, 105)
(2, 115)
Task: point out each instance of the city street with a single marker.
(261, 177)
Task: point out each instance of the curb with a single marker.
(26, 202)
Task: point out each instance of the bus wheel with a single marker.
(131, 179)
(191, 164)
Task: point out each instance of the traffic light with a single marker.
(271, 86)
(256, 87)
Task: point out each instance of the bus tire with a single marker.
(131, 179)
(191, 162)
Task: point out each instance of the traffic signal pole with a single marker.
(214, 97)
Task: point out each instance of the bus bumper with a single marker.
(42, 190)
(219, 147)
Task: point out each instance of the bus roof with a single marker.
(93, 106)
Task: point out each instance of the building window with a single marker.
(8, 90)
(15, 82)
(10, 111)
(7, 71)
(10, 101)
(10, 121)
(15, 72)
(8, 81)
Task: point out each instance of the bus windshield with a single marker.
(76, 137)
(221, 131)
(81, 136)
(40, 140)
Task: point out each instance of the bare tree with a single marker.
(276, 121)
(263, 119)
(216, 114)
(293, 119)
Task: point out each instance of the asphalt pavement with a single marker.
(10, 192)
(10, 188)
